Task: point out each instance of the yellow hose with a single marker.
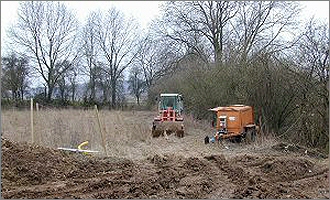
(81, 145)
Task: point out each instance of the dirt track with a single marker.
(30, 171)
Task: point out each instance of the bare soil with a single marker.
(30, 171)
(179, 168)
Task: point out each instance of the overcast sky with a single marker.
(143, 11)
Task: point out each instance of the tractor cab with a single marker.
(171, 102)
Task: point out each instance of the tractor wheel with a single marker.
(179, 133)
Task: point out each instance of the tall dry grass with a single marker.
(127, 133)
(51, 127)
(69, 128)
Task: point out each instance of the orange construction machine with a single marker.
(234, 122)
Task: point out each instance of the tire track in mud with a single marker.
(30, 171)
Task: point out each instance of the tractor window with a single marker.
(169, 102)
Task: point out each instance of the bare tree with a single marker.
(73, 74)
(262, 26)
(67, 84)
(90, 53)
(100, 82)
(116, 37)
(154, 60)
(200, 21)
(63, 88)
(313, 80)
(15, 73)
(46, 31)
(136, 83)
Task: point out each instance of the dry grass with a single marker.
(51, 127)
(127, 134)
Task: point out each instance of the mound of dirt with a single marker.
(24, 164)
(282, 177)
(31, 171)
(293, 148)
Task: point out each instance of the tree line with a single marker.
(215, 53)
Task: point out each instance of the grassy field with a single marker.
(127, 133)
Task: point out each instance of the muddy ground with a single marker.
(32, 171)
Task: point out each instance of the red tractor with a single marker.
(170, 118)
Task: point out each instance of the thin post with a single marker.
(100, 128)
(37, 107)
(32, 132)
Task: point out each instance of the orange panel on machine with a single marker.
(233, 120)
(237, 116)
(247, 116)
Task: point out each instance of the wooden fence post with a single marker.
(100, 128)
(32, 131)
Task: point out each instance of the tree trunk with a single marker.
(50, 92)
(113, 94)
(73, 93)
(22, 93)
(138, 99)
(13, 94)
(92, 87)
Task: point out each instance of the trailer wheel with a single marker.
(247, 137)
(206, 140)
(253, 135)
(250, 135)
(238, 139)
